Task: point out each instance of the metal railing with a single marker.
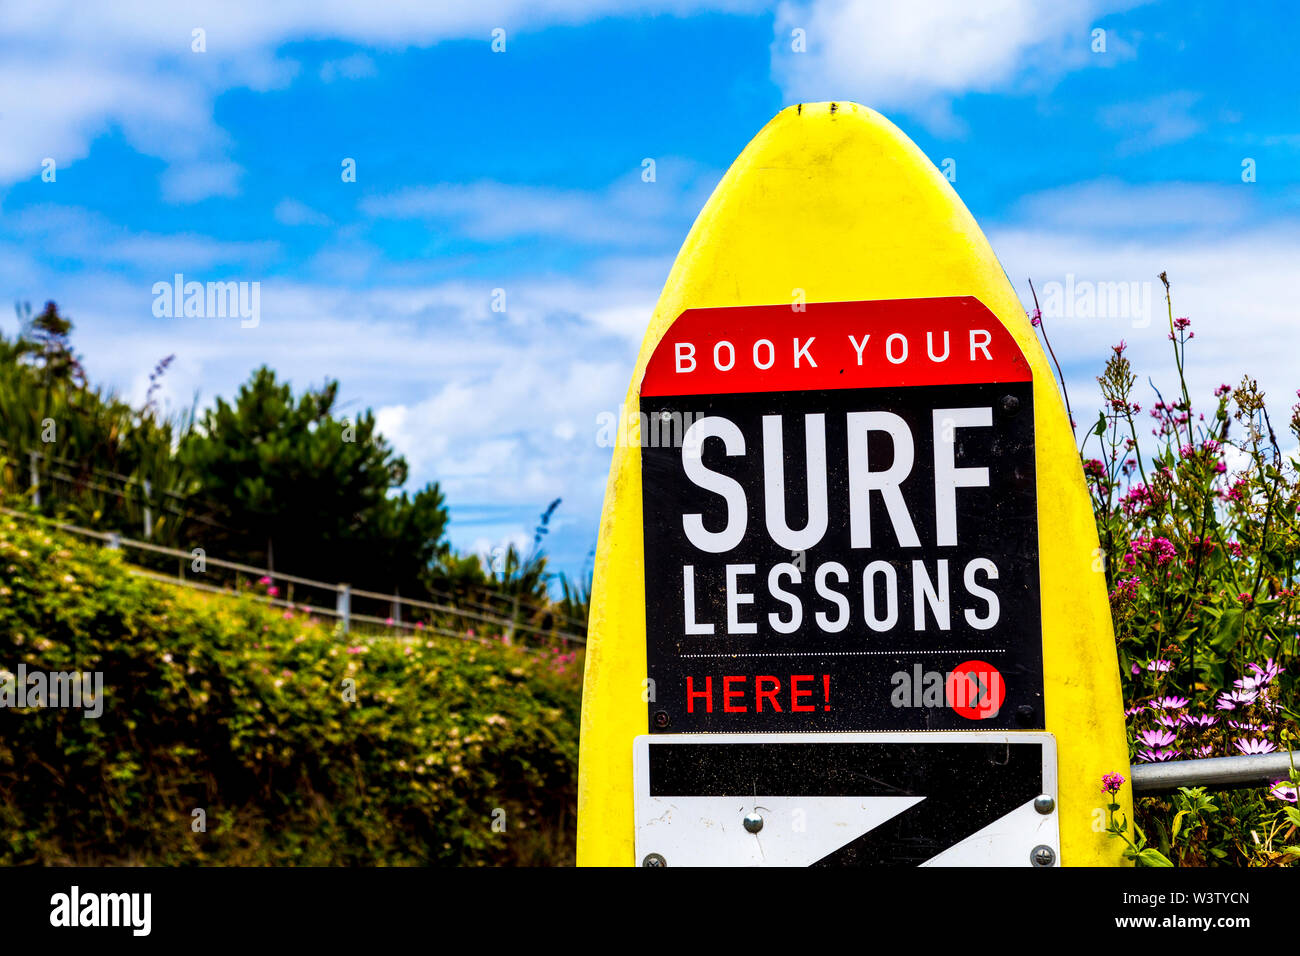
(512, 627)
(1217, 773)
(139, 492)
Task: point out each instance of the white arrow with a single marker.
(796, 831)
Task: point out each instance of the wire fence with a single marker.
(529, 625)
(147, 502)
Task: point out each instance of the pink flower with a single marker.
(1282, 790)
(356, 650)
(263, 581)
(1160, 667)
(272, 592)
(1156, 738)
(1111, 782)
(1266, 673)
(1126, 589)
(1156, 756)
(1254, 746)
(1168, 703)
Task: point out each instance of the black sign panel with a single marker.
(965, 786)
(842, 559)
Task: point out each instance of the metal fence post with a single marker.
(343, 605)
(148, 510)
(35, 479)
(509, 637)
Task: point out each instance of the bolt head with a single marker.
(1044, 803)
(661, 719)
(1042, 855)
(1010, 404)
(753, 821)
(654, 859)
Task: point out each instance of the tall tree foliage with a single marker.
(303, 489)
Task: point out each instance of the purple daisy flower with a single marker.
(1254, 746)
(1156, 756)
(1156, 738)
(1283, 790)
(1168, 703)
(1266, 673)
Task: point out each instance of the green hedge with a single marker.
(228, 706)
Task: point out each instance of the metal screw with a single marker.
(654, 859)
(1044, 803)
(662, 719)
(1010, 404)
(1042, 855)
(753, 821)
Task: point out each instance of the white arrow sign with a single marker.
(932, 799)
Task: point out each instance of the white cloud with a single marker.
(1150, 123)
(1112, 206)
(629, 212)
(1234, 285)
(291, 212)
(355, 67)
(191, 182)
(71, 71)
(916, 56)
(502, 410)
(68, 232)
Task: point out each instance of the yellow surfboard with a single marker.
(845, 527)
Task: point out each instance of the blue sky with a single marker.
(521, 171)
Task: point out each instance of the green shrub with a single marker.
(225, 705)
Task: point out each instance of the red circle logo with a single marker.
(976, 690)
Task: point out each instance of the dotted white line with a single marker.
(832, 653)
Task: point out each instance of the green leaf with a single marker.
(1178, 823)
(1228, 631)
(1153, 857)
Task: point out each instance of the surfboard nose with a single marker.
(834, 202)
